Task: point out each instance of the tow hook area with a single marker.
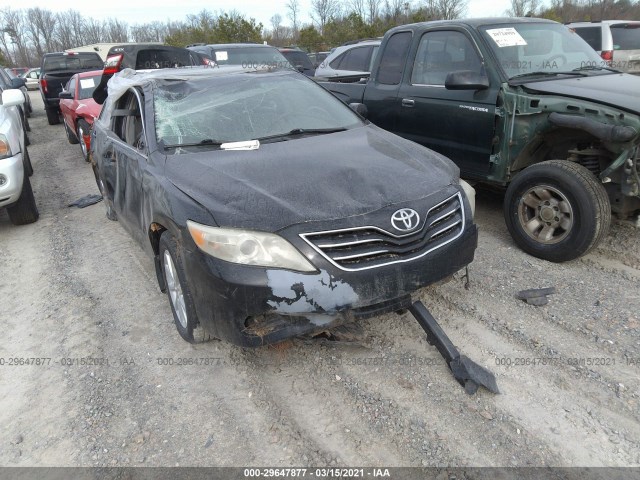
(468, 373)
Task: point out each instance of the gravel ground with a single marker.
(75, 285)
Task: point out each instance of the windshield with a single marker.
(626, 36)
(88, 85)
(524, 48)
(234, 108)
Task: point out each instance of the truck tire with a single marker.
(52, 116)
(26, 161)
(178, 291)
(71, 136)
(24, 211)
(557, 210)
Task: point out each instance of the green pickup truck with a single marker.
(524, 104)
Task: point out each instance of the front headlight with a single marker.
(248, 247)
(5, 149)
(470, 192)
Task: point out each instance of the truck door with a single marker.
(457, 123)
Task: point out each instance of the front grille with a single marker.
(361, 248)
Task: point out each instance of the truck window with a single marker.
(393, 58)
(591, 35)
(355, 59)
(441, 52)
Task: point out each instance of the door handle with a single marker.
(407, 102)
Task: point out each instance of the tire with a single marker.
(71, 136)
(111, 213)
(83, 127)
(24, 211)
(52, 116)
(26, 160)
(179, 293)
(566, 197)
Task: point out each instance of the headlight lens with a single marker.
(470, 192)
(248, 247)
(5, 149)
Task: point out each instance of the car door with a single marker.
(129, 158)
(68, 106)
(457, 123)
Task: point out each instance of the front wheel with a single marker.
(71, 137)
(24, 211)
(178, 291)
(557, 210)
(83, 132)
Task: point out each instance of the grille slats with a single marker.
(367, 247)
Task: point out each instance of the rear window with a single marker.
(149, 59)
(73, 63)
(298, 58)
(626, 36)
(591, 35)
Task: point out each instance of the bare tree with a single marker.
(94, 31)
(357, 7)
(450, 9)
(373, 10)
(116, 31)
(521, 8)
(276, 25)
(293, 12)
(13, 26)
(324, 10)
(45, 22)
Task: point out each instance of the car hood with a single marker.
(314, 178)
(616, 90)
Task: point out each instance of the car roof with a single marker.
(90, 73)
(476, 22)
(595, 23)
(238, 45)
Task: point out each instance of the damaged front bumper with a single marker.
(253, 306)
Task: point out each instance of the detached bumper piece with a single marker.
(468, 373)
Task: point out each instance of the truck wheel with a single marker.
(24, 211)
(179, 293)
(83, 129)
(557, 210)
(70, 135)
(52, 116)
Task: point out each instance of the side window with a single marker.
(393, 58)
(127, 121)
(337, 63)
(441, 52)
(591, 35)
(71, 86)
(358, 61)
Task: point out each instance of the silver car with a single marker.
(352, 59)
(617, 42)
(32, 78)
(15, 166)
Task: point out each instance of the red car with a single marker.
(79, 109)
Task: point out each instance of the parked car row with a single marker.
(272, 208)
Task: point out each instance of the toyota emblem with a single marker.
(405, 219)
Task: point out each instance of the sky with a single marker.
(144, 11)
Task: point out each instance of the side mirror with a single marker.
(466, 80)
(65, 95)
(12, 97)
(300, 68)
(360, 108)
(17, 82)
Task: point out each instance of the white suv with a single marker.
(617, 42)
(15, 165)
(352, 59)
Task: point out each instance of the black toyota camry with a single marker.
(271, 208)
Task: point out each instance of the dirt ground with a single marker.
(76, 289)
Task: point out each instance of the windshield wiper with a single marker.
(546, 74)
(207, 142)
(593, 67)
(302, 131)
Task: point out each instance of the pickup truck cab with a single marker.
(518, 103)
(56, 70)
